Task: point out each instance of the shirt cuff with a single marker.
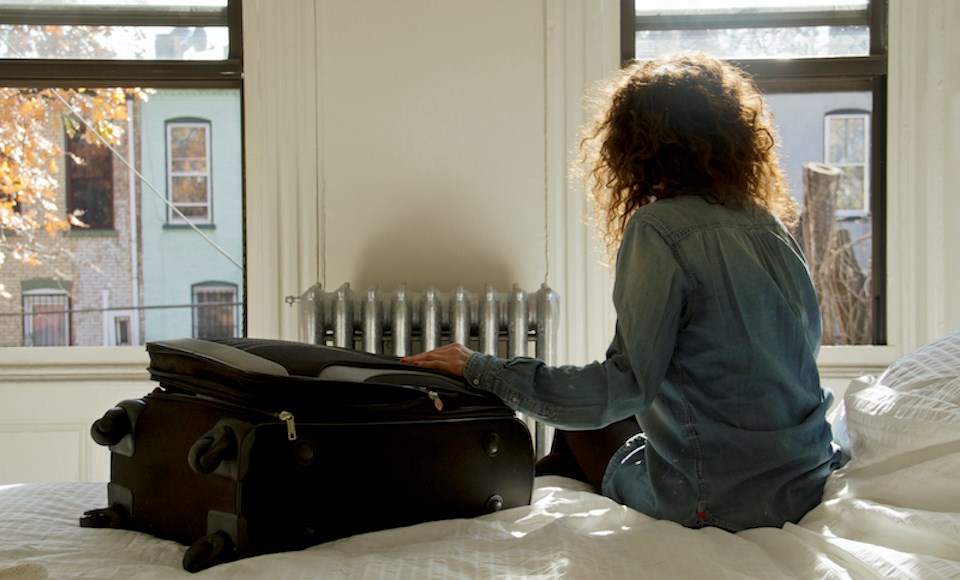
(483, 371)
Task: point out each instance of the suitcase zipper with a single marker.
(287, 418)
(437, 402)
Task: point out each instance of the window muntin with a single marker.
(46, 318)
(812, 58)
(188, 172)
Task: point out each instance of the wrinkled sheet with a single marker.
(872, 525)
(893, 511)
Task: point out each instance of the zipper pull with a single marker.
(436, 400)
(287, 417)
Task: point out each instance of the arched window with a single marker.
(188, 171)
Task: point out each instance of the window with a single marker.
(845, 144)
(89, 178)
(822, 65)
(188, 172)
(215, 307)
(46, 318)
(120, 328)
(107, 115)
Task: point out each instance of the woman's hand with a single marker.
(450, 358)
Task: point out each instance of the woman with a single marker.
(712, 368)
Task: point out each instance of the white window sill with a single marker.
(73, 363)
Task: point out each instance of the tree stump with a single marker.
(818, 221)
(841, 284)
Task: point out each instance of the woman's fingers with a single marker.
(450, 358)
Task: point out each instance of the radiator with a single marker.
(402, 322)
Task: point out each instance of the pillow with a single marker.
(912, 408)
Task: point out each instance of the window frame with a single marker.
(69, 185)
(864, 209)
(173, 218)
(113, 322)
(827, 74)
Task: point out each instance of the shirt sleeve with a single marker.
(648, 295)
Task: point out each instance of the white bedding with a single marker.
(892, 512)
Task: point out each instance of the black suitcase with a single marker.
(253, 446)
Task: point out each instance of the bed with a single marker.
(893, 511)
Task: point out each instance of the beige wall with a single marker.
(433, 143)
(429, 144)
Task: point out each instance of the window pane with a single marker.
(23, 41)
(189, 189)
(188, 141)
(189, 166)
(688, 7)
(850, 193)
(836, 225)
(746, 43)
(847, 138)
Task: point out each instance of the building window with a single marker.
(215, 311)
(823, 68)
(46, 318)
(188, 172)
(120, 328)
(89, 178)
(846, 143)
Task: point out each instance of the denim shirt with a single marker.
(718, 329)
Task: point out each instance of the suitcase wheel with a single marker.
(112, 427)
(208, 551)
(215, 447)
(494, 503)
(103, 518)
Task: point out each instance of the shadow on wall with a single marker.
(438, 254)
(419, 257)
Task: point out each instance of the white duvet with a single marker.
(892, 512)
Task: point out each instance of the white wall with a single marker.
(454, 121)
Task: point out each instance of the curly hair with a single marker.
(686, 124)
